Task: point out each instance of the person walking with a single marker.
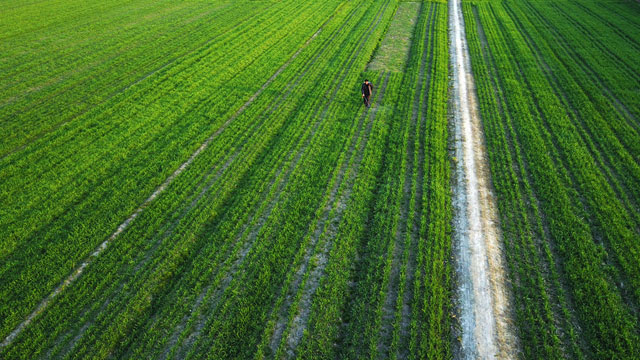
(366, 89)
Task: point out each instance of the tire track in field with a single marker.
(310, 249)
(126, 223)
(326, 229)
(83, 195)
(259, 217)
(156, 243)
(174, 223)
(482, 295)
(314, 36)
(239, 145)
(305, 45)
(329, 206)
(123, 226)
(255, 221)
(302, 319)
(249, 231)
(405, 229)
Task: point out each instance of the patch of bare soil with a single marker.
(483, 300)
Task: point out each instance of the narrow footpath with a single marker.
(486, 328)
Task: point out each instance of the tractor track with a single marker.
(406, 233)
(326, 230)
(310, 248)
(322, 115)
(228, 162)
(230, 159)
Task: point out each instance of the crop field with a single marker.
(200, 179)
(558, 89)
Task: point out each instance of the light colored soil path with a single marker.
(483, 299)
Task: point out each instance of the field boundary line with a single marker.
(159, 190)
(483, 298)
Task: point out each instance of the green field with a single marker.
(559, 90)
(200, 179)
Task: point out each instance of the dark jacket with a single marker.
(366, 89)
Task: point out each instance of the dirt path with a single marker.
(483, 301)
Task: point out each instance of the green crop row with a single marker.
(603, 121)
(253, 296)
(101, 175)
(300, 223)
(606, 138)
(562, 161)
(116, 296)
(358, 311)
(121, 47)
(512, 183)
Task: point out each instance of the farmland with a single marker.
(558, 93)
(249, 250)
(200, 179)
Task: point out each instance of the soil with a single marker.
(486, 323)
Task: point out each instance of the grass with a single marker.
(393, 52)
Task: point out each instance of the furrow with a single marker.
(78, 271)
